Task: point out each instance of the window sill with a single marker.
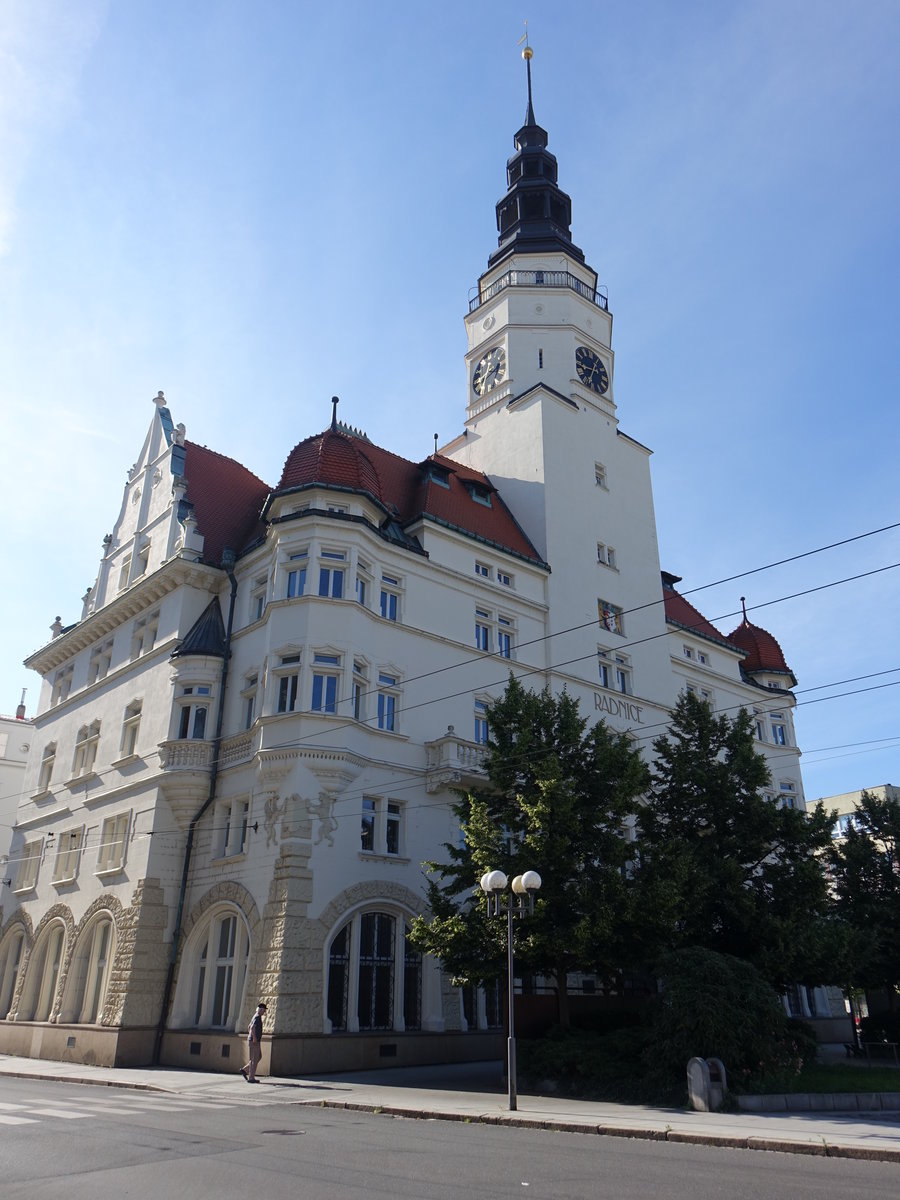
(383, 856)
(105, 872)
(44, 794)
(24, 889)
(60, 883)
(126, 760)
(87, 777)
(224, 859)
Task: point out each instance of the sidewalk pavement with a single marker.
(476, 1092)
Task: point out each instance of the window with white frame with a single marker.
(258, 594)
(11, 954)
(62, 684)
(370, 985)
(381, 826)
(482, 569)
(288, 680)
(217, 960)
(143, 637)
(505, 578)
(481, 722)
(606, 555)
(482, 629)
(113, 841)
(131, 727)
(610, 617)
(124, 572)
(232, 825)
(193, 713)
(142, 562)
(363, 582)
(29, 861)
(600, 475)
(248, 700)
(388, 698)
(504, 636)
(759, 724)
(687, 651)
(68, 855)
(787, 794)
(86, 743)
(42, 976)
(331, 578)
(368, 823)
(101, 658)
(325, 682)
(360, 687)
(296, 574)
(779, 728)
(48, 761)
(88, 974)
(702, 658)
(390, 597)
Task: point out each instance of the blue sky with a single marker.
(255, 206)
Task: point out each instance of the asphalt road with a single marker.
(77, 1141)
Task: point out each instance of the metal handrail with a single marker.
(551, 279)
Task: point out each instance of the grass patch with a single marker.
(817, 1078)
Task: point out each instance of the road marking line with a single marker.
(6, 1120)
(58, 1112)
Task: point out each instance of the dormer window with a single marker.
(480, 494)
(439, 475)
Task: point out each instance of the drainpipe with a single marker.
(228, 560)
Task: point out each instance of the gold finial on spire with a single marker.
(527, 53)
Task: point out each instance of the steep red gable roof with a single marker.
(406, 490)
(683, 613)
(227, 500)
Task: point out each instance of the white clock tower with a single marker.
(541, 421)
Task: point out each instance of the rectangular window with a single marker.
(288, 686)
(68, 854)
(392, 828)
(481, 722)
(113, 839)
(504, 578)
(86, 744)
(483, 570)
(143, 561)
(687, 652)
(600, 475)
(779, 734)
(324, 690)
(482, 630)
(361, 590)
(124, 572)
(387, 703)
(331, 583)
(787, 795)
(194, 711)
(296, 575)
(258, 598)
(359, 690)
(389, 598)
(233, 822)
(606, 555)
(143, 637)
(504, 637)
(101, 658)
(29, 861)
(62, 683)
(131, 726)
(480, 494)
(367, 830)
(603, 666)
(248, 700)
(623, 674)
(48, 759)
(610, 616)
(702, 659)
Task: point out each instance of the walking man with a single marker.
(254, 1043)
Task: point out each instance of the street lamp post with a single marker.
(519, 904)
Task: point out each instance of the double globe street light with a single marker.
(519, 904)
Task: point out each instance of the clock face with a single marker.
(591, 370)
(490, 371)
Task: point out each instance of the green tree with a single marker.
(865, 872)
(722, 866)
(557, 799)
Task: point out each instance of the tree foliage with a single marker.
(557, 798)
(865, 872)
(721, 865)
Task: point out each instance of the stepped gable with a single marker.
(226, 499)
(762, 650)
(682, 613)
(345, 459)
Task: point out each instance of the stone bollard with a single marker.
(706, 1084)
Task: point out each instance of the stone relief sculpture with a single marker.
(324, 810)
(273, 812)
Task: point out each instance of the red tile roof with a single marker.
(763, 651)
(404, 489)
(683, 613)
(227, 500)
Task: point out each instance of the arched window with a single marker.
(10, 961)
(370, 985)
(42, 974)
(88, 975)
(213, 972)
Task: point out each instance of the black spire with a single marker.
(535, 214)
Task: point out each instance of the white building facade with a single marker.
(246, 744)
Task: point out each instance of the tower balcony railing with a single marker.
(547, 279)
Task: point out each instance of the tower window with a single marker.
(540, 360)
